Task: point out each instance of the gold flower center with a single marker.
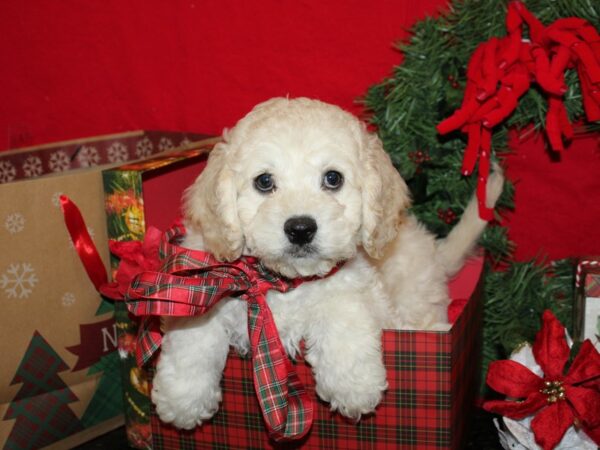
(554, 390)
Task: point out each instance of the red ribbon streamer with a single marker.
(84, 245)
(500, 72)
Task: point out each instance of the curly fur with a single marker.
(395, 272)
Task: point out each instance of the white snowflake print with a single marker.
(165, 144)
(7, 172)
(185, 142)
(144, 148)
(56, 199)
(14, 223)
(117, 152)
(68, 299)
(59, 161)
(32, 167)
(19, 280)
(88, 156)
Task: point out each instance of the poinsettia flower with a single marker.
(517, 434)
(136, 257)
(558, 400)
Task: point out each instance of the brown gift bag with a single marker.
(60, 382)
(59, 376)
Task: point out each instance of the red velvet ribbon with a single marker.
(500, 72)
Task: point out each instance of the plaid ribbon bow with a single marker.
(190, 283)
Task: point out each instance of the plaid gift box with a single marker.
(432, 380)
(586, 313)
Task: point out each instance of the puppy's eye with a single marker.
(264, 183)
(333, 180)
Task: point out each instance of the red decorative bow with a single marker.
(557, 400)
(501, 70)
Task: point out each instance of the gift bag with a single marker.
(60, 381)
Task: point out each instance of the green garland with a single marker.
(426, 88)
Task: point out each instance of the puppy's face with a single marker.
(296, 185)
(298, 195)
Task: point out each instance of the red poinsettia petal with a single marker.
(550, 348)
(594, 383)
(586, 403)
(517, 410)
(125, 274)
(135, 257)
(586, 365)
(125, 249)
(551, 423)
(112, 291)
(512, 379)
(150, 248)
(593, 433)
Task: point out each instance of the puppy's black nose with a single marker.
(300, 230)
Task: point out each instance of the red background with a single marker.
(71, 69)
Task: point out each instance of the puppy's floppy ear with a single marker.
(210, 205)
(385, 197)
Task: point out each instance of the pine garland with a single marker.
(426, 88)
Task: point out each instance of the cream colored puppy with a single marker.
(303, 186)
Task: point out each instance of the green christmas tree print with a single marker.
(40, 408)
(107, 401)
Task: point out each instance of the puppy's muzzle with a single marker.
(300, 230)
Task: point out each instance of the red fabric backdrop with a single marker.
(71, 69)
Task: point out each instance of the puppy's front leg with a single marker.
(186, 388)
(347, 362)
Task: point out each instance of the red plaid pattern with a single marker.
(431, 378)
(190, 283)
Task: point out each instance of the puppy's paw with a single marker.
(354, 396)
(185, 404)
(355, 404)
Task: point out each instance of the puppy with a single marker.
(303, 186)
